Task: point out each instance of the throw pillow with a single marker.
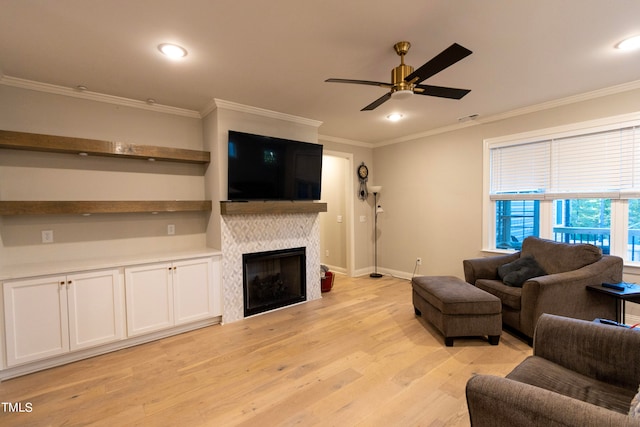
(634, 412)
(519, 271)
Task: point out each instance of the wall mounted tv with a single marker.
(268, 168)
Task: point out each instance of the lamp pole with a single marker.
(375, 190)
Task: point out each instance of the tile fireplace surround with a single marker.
(265, 232)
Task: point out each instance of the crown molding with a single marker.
(228, 105)
(94, 96)
(599, 93)
(344, 141)
(6, 80)
(595, 94)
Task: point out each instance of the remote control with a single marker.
(616, 286)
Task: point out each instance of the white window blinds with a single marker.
(603, 164)
(520, 169)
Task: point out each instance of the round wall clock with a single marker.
(363, 175)
(363, 171)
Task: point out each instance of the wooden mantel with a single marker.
(271, 207)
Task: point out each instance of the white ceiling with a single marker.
(276, 54)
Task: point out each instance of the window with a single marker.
(515, 220)
(571, 184)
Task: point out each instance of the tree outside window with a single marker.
(584, 221)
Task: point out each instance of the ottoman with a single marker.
(456, 308)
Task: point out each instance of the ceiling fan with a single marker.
(405, 81)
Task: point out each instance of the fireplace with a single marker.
(273, 279)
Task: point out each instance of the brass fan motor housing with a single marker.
(399, 73)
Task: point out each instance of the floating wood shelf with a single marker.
(92, 147)
(271, 207)
(100, 207)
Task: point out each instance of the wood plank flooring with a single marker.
(357, 357)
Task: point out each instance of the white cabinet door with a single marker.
(149, 296)
(193, 296)
(95, 308)
(36, 321)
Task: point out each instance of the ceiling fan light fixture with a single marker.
(630, 43)
(402, 94)
(173, 51)
(394, 117)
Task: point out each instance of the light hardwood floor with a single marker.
(359, 356)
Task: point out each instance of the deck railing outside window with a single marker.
(599, 237)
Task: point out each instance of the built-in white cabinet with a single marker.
(53, 315)
(167, 294)
(52, 318)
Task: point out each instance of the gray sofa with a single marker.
(580, 374)
(562, 290)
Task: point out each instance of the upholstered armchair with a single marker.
(582, 374)
(561, 288)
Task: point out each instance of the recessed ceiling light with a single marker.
(629, 44)
(394, 117)
(172, 50)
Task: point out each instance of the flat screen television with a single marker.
(269, 168)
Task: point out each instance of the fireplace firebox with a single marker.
(273, 279)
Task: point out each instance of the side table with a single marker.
(631, 292)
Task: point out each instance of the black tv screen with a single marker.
(269, 168)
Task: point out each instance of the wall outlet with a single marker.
(171, 229)
(363, 218)
(419, 261)
(47, 236)
(326, 253)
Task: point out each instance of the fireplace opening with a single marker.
(274, 279)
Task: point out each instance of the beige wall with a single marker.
(432, 193)
(26, 175)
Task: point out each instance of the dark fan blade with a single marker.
(439, 91)
(444, 59)
(378, 102)
(360, 82)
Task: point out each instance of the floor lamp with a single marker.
(377, 209)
